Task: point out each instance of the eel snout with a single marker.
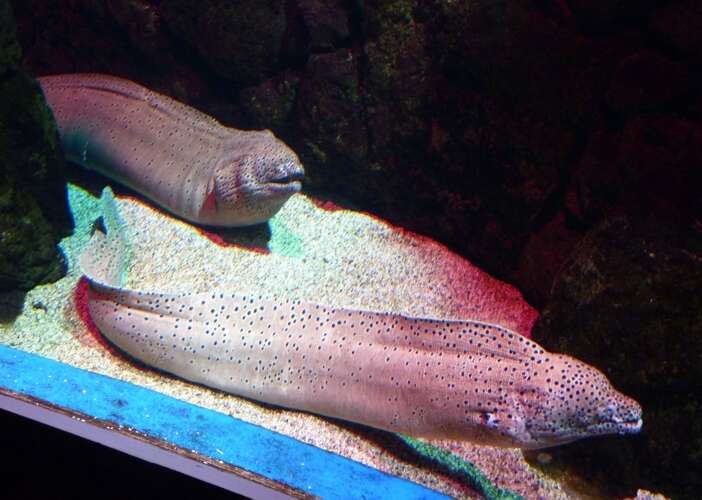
(621, 416)
(577, 401)
(287, 176)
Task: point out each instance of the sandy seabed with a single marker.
(335, 257)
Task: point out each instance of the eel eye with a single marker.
(490, 420)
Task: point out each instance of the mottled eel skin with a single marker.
(178, 157)
(461, 380)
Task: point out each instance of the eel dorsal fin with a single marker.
(106, 256)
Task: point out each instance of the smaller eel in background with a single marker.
(180, 158)
(434, 378)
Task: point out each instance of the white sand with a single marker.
(338, 258)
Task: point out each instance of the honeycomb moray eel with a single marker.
(433, 378)
(180, 158)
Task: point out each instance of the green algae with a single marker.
(284, 240)
(459, 467)
(85, 209)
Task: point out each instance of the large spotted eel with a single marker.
(463, 380)
(176, 156)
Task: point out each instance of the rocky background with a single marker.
(555, 143)
(33, 210)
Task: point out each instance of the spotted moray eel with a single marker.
(434, 378)
(178, 157)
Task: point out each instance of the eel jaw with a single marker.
(631, 427)
(617, 425)
(612, 419)
(290, 181)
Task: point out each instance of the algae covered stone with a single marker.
(628, 302)
(33, 210)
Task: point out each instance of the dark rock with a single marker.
(474, 173)
(650, 168)
(604, 16)
(327, 22)
(647, 81)
(126, 38)
(594, 15)
(270, 104)
(33, 209)
(141, 20)
(513, 49)
(71, 37)
(11, 304)
(240, 40)
(329, 113)
(628, 302)
(597, 180)
(9, 48)
(395, 84)
(680, 25)
(661, 159)
(696, 107)
(498, 124)
(494, 174)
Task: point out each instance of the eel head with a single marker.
(575, 400)
(254, 178)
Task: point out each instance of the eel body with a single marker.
(463, 380)
(178, 157)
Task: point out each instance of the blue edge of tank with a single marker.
(263, 452)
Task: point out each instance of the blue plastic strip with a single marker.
(207, 432)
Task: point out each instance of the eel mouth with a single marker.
(291, 181)
(617, 426)
(630, 426)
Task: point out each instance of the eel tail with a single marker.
(106, 257)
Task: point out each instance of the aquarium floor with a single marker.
(337, 257)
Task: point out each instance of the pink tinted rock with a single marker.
(543, 257)
(481, 296)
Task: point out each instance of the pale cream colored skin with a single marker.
(180, 158)
(461, 380)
